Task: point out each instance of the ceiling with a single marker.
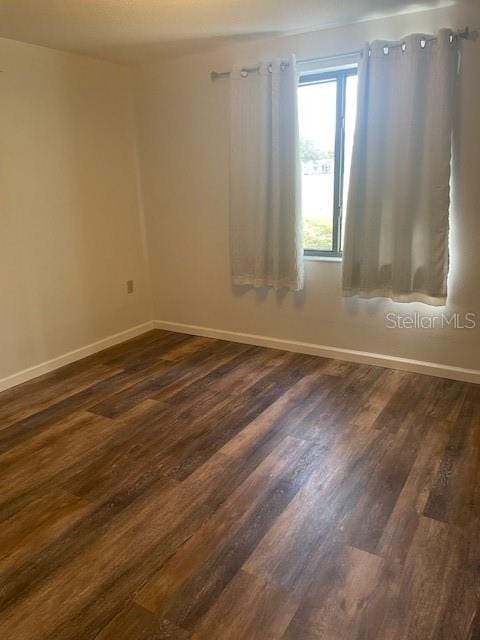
(130, 30)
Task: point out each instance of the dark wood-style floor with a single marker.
(177, 487)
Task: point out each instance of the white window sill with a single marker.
(322, 259)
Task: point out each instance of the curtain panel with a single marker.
(266, 245)
(396, 237)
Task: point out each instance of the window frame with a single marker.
(340, 75)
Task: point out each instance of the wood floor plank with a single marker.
(231, 415)
(190, 603)
(376, 401)
(35, 527)
(143, 528)
(300, 538)
(55, 601)
(224, 523)
(43, 419)
(38, 395)
(341, 403)
(386, 479)
(411, 390)
(143, 355)
(187, 488)
(454, 497)
(410, 504)
(91, 454)
(248, 609)
(338, 600)
(95, 523)
(33, 461)
(413, 608)
(282, 416)
(135, 623)
(460, 618)
(169, 378)
(234, 376)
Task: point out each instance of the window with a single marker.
(327, 108)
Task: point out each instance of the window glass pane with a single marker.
(350, 115)
(317, 118)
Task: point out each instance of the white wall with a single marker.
(70, 230)
(183, 124)
(71, 215)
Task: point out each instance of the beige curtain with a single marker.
(265, 206)
(396, 238)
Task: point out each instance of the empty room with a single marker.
(240, 320)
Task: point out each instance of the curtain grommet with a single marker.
(243, 73)
(423, 43)
(386, 50)
(404, 46)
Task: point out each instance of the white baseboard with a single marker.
(72, 356)
(350, 355)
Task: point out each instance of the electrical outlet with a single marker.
(129, 286)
